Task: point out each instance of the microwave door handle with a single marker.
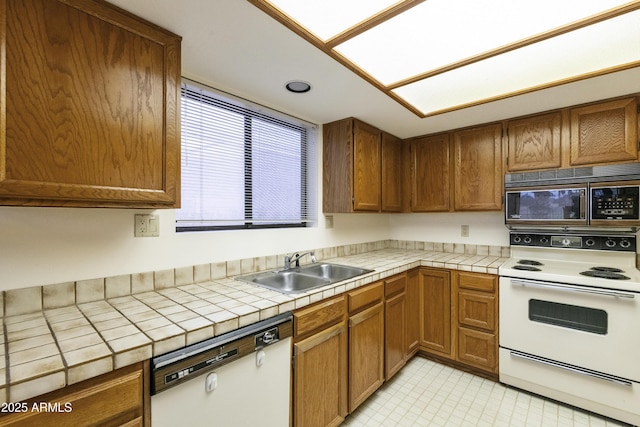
(582, 203)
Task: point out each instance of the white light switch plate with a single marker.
(146, 225)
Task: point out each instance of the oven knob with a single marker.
(566, 242)
(527, 239)
(590, 242)
(517, 239)
(544, 240)
(625, 243)
(610, 243)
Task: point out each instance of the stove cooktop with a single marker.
(569, 259)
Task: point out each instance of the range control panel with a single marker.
(622, 243)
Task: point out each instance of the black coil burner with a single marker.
(528, 265)
(611, 273)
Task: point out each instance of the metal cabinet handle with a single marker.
(571, 368)
(580, 289)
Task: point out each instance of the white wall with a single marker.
(40, 246)
(485, 228)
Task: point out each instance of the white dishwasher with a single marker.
(241, 378)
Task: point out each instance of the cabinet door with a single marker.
(366, 354)
(435, 309)
(534, 142)
(430, 174)
(478, 169)
(604, 133)
(320, 378)
(395, 327)
(391, 173)
(366, 167)
(478, 349)
(91, 97)
(412, 336)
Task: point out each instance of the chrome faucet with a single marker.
(296, 258)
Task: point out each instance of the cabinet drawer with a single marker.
(395, 285)
(318, 316)
(365, 297)
(477, 310)
(477, 281)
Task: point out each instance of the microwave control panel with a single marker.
(615, 203)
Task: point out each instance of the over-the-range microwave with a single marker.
(597, 204)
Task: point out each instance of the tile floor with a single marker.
(426, 393)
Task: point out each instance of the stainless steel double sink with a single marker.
(304, 278)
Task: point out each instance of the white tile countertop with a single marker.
(51, 348)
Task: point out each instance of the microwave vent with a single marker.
(624, 172)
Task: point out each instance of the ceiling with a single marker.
(234, 46)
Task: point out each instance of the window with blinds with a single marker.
(243, 166)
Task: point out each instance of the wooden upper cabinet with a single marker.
(534, 142)
(366, 167)
(478, 168)
(362, 168)
(391, 159)
(605, 133)
(430, 174)
(91, 96)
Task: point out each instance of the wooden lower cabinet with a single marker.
(435, 311)
(118, 398)
(366, 342)
(395, 324)
(477, 319)
(459, 317)
(412, 332)
(320, 364)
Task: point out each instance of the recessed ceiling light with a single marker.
(298, 86)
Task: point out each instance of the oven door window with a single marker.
(569, 316)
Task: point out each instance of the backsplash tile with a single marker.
(59, 295)
(35, 299)
(89, 290)
(22, 301)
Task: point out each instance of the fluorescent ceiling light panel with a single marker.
(434, 56)
(597, 47)
(441, 32)
(327, 18)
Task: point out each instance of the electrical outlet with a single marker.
(464, 230)
(146, 225)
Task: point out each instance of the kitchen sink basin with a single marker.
(302, 279)
(333, 272)
(290, 281)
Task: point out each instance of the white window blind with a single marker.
(244, 166)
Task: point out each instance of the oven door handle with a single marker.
(571, 368)
(586, 290)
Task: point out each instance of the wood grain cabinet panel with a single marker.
(118, 398)
(430, 174)
(412, 333)
(366, 168)
(320, 374)
(391, 159)
(476, 295)
(91, 99)
(534, 142)
(435, 311)
(605, 133)
(362, 168)
(366, 354)
(478, 172)
(320, 378)
(396, 348)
